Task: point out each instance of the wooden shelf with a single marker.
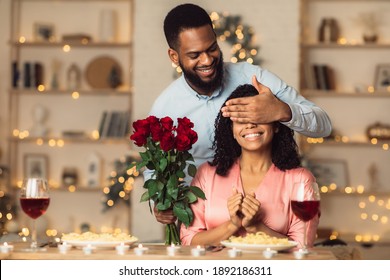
(350, 143)
(315, 45)
(72, 44)
(332, 94)
(79, 140)
(110, 92)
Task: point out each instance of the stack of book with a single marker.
(320, 77)
(114, 124)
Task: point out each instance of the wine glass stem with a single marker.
(34, 244)
(304, 236)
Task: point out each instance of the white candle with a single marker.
(300, 254)
(140, 250)
(64, 247)
(172, 250)
(198, 251)
(88, 249)
(268, 253)
(6, 248)
(233, 253)
(121, 249)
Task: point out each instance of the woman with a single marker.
(248, 185)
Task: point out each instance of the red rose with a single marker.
(142, 125)
(185, 122)
(167, 141)
(139, 137)
(183, 142)
(167, 124)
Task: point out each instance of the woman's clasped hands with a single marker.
(243, 210)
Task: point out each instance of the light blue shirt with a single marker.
(179, 100)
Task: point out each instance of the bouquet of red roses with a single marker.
(166, 153)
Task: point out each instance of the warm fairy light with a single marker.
(250, 60)
(227, 33)
(23, 134)
(324, 189)
(345, 139)
(110, 202)
(106, 190)
(360, 189)
(332, 186)
(348, 190)
(363, 216)
(122, 194)
(358, 238)
(367, 238)
(22, 39)
(375, 238)
(342, 41)
(384, 220)
(95, 134)
(84, 41)
(39, 142)
(60, 143)
(52, 142)
(9, 216)
(374, 217)
(374, 141)
(15, 132)
(253, 52)
(371, 198)
(385, 147)
(362, 204)
(113, 173)
(234, 59)
(381, 202)
(41, 88)
(72, 188)
(121, 179)
(178, 69)
(214, 16)
(371, 89)
(75, 95)
(25, 231)
(66, 48)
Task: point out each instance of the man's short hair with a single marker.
(184, 17)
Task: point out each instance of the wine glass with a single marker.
(305, 204)
(34, 200)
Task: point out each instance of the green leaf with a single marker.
(145, 197)
(161, 206)
(198, 192)
(152, 186)
(145, 156)
(172, 188)
(191, 170)
(163, 164)
(190, 214)
(180, 174)
(182, 215)
(191, 197)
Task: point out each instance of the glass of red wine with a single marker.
(305, 204)
(34, 200)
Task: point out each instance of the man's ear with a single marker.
(173, 55)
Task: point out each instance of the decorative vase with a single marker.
(370, 37)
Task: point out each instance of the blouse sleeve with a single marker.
(296, 230)
(198, 208)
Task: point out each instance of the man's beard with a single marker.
(197, 82)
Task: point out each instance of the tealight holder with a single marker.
(300, 254)
(64, 247)
(140, 250)
(198, 251)
(234, 253)
(88, 249)
(268, 253)
(121, 249)
(6, 248)
(172, 250)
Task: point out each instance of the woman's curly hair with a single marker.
(284, 152)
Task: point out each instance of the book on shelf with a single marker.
(114, 124)
(320, 77)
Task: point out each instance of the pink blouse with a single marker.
(274, 194)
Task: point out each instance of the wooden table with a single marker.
(155, 252)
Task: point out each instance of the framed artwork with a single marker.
(43, 32)
(382, 77)
(35, 166)
(330, 171)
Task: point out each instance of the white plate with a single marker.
(99, 244)
(259, 247)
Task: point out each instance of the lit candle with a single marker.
(6, 248)
(64, 247)
(88, 249)
(233, 253)
(300, 254)
(121, 249)
(172, 250)
(140, 250)
(198, 251)
(268, 253)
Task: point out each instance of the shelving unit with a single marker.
(354, 104)
(69, 109)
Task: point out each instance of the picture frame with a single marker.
(36, 166)
(44, 32)
(330, 171)
(382, 77)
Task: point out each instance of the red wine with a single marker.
(305, 210)
(34, 207)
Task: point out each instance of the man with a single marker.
(207, 81)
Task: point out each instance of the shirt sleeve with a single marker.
(307, 118)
